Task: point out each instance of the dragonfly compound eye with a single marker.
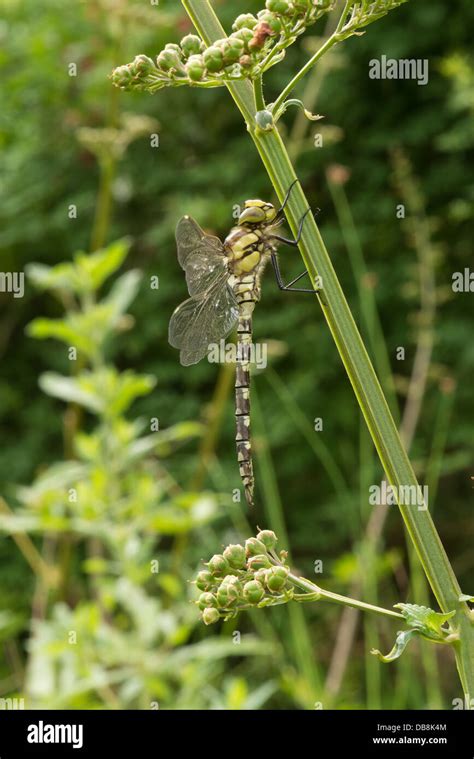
(252, 215)
(257, 212)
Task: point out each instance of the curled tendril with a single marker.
(286, 104)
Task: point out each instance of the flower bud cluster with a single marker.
(241, 55)
(241, 577)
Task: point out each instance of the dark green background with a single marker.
(205, 164)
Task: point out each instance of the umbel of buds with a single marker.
(243, 576)
(242, 55)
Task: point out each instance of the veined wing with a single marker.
(203, 319)
(200, 255)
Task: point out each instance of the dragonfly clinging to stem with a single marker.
(224, 282)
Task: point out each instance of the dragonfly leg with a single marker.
(295, 242)
(289, 286)
(286, 199)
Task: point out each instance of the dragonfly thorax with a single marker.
(248, 249)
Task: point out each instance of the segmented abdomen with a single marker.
(242, 406)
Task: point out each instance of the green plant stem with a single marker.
(258, 91)
(327, 595)
(103, 204)
(43, 571)
(351, 348)
(107, 168)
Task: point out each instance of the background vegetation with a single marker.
(88, 619)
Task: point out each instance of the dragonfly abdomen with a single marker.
(242, 403)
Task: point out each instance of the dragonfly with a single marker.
(224, 284)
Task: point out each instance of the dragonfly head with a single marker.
(257, 212)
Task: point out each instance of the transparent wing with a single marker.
(200, 255)
(203, 319)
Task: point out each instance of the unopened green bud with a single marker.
(195, 67)
(278, 6)
(268, 538)
(232, 48)
(244, 21)
(253, 591)
(281, 571)
(276, 578)
(218, 566)
(258, 562)
(227, 594)
(261, 576)
(204, 580)
(174, 48)
(142, 65)
(232, 580)
(253, 546)
(168, 59)
(206, 600)
(235, 555)
(245, 35)
(210, 616)
(122, 76)
(192, 45)
(301, 6)
(213, 58)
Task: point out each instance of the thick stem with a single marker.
(258, 90)
(351, 348)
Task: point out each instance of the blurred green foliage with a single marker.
(62, 139)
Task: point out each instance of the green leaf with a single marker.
(70, 390)
(124, 388)
(85, 274)
(401, 641)
(164, 441)
(96, 565)
(60, 277)
(95, 268)
(423, 621)
(466, 597)
(101, 391)
(428, 622)
(87, 330)
(57, 477)
(123, 291)
(59, 329)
